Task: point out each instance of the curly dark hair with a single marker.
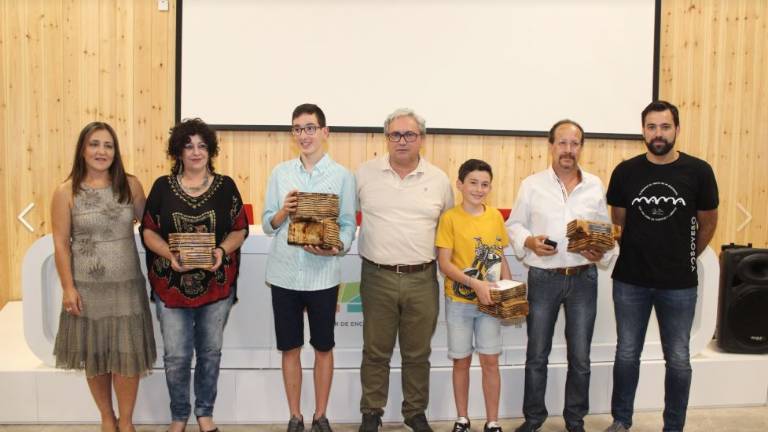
(182, 133)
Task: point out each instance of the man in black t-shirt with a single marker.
(666, 201)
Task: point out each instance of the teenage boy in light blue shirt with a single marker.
(308, 277)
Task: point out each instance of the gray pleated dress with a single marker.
(114, 332)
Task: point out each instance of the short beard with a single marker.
(660, 151)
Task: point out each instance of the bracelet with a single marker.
(222, 250)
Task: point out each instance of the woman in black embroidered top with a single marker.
(193, 304)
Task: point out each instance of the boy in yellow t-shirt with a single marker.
(470, 239)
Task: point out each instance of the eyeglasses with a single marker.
(309, 129)
(397, 136)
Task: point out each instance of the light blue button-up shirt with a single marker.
(290, 266)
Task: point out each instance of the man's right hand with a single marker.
(536, 244)
(291, 202)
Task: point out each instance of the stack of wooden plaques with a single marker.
(314, 223)
(331, 233)
(195, 249)
(509, 301)
(323, 234)
(586, 234)
(316, 206)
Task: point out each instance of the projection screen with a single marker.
(468, 66)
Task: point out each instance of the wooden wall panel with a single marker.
(67, 62)
(6, 226)
(714, 66)
(16, 138)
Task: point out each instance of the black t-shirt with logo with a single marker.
(658, 245)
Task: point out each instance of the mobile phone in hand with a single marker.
(549, 242)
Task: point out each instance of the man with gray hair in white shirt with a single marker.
(401, 197)
(546, 202)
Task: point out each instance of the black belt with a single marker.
(570, 271)
(401, 268)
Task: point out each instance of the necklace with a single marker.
(193, 190)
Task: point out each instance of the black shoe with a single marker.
(321, 424)
(494, 428)
(418, 423)
(371, 423)
(201, 428)
(295, 424)
(527, 427)
(578, 428)
(461, 427)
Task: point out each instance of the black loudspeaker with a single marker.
(742, 314)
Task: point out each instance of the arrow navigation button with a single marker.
(23, 213)
(747, 214)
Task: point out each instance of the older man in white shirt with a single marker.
(401, 197)
(546, 202)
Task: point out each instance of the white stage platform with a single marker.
(35, 393)
(250, 384)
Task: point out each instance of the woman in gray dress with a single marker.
(105, 326)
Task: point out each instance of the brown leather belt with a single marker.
(400, 268)
(570, 271)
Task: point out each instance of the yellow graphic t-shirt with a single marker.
(478, 244)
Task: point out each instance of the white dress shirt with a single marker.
(544, 207)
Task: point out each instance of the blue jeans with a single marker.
(674, 310)
(187, 330)
(548, 290)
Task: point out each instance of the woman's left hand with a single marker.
(218, 258)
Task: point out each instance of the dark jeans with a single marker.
(548, 290)
(674, 310)
(187, 330)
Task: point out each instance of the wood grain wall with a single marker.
(64, 63)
